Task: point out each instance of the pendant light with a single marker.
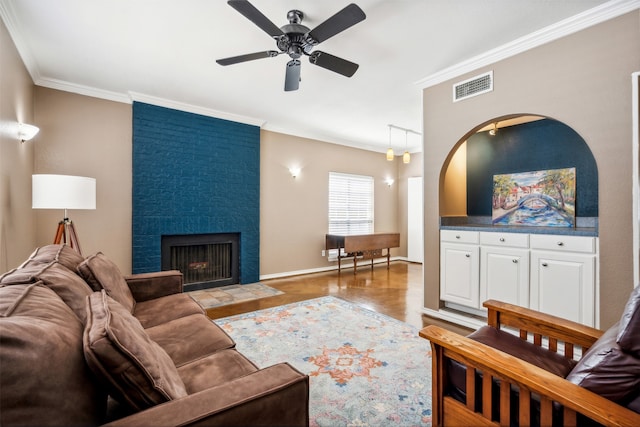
(406, 157)
(390, 155)
(493, 131)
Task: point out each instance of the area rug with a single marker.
(224, 295)
(365, 368)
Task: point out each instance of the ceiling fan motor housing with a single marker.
(293, 42)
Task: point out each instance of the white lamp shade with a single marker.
(63, 192)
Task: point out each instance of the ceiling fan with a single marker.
(296, 40)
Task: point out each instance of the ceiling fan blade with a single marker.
(254, 15)
(292, 78)
(347, 17)
(248, 57)
(333, 63)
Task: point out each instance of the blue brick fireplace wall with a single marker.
(194, 174)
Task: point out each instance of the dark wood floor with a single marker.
(396, 292)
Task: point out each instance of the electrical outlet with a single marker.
(323, 253)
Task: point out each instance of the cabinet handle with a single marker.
(560, 243)
(458, 236)
(544, 264)
(502, 239)
(467, 255)
(515, 261)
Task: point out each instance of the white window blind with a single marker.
(350, 204)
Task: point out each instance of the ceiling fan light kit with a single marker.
(296, 40)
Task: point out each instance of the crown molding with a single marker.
(82, 90)
(190, 108)
(323, 137)
(581, 21)
(7, 13)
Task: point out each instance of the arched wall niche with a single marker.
(523, 142)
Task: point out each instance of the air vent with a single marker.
(474, 86)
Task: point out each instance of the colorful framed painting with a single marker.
(544, 198)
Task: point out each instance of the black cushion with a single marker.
(608, 370)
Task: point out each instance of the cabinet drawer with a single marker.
(513, 240)
(563, 243)
(459, 236)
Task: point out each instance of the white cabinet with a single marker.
(504, 267)
(555, 274)
(459, 252)
(563, 277)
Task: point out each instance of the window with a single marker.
(350, 204)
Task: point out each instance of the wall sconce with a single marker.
(493, 131)
(389, 182)
(26, 132)
(294, 171)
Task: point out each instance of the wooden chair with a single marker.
(559, 401)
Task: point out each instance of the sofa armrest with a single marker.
(556, 329)
(511, 371)
(146, 286)
(277, 395)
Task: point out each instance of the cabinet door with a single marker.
(563, 284)
(504, 275)
(459, 269)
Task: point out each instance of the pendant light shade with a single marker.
(390, 154)
(406, 157)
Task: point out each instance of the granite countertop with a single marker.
(585, 226)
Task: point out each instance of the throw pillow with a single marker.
(118, 350)
(64, 254)
(629, 334)
(67, 284)
(607, 370)
(102, 273)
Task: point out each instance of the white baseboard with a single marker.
(328, 268)
(457, 318)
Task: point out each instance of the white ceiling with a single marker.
(164, 52)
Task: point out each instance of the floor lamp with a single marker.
(64, 192)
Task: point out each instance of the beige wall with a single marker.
(17, 223)
(293, 212)
(583, 80)
(85, 136)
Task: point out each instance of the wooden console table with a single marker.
(366, 246)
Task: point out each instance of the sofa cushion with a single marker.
(64, 254)
(189, 338)
(607, 370)
(164, 309)
(215, 369)
(541, 357)
(67, 284)
(101, 273)
(44, 379)
(629, 334)
(117, 349)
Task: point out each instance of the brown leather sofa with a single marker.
(529, 368)
(80, 344)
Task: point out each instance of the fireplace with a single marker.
(205, 260)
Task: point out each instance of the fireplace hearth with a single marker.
(205, 260)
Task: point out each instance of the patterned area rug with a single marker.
(224, 295)
(365, 368)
